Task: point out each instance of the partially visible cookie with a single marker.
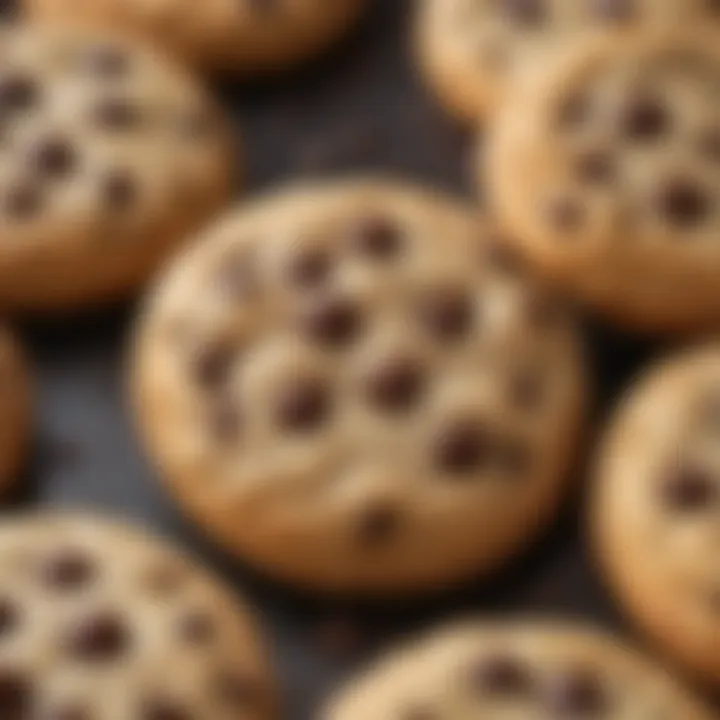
(109, 157)
(656, 508)
(607, 173)
(16, 409)
(238, 36)
(101, 621)
(474, 52)
(505, 671)
(354, 388)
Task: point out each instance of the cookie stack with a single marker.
(366, 387)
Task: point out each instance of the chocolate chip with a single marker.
(615, 10)
(9, 617)
(395, 385)
(198, 628)
(376, 237)
(645, 119)
(461, 447)
(498, 252)
(105, 61)
(447, 314)
(595, 167)
(18, 93)
(524, 12)
(682, 203)
(573, 112)
(237, 276)
(303, 406)
(527, 390)
(100, 637)
(120, 190)
(565, 214)
(709, 144)
(377, 525)
(165, 580)
(68, 570)
(54, 157)
(237, 690)
(225, 420)
(16, 694)
(196, 125)
(576, 694)
(511, 456)
(501, 675)
(309, 268)
(117, 114)
(23, 202)
(689, 489)
(164, 709)
(333, 322)
(213, 365)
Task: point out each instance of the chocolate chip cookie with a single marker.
(607, 173)
(16, 409)
(503, 671)
(239, 36)
(109, 156)
(99, 621)
(475, 52)
(355, 387)
(656, 508)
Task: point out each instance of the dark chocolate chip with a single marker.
(225, 420)
(213, 365)
(9, 617)
(120, 190)
(682, 203)
(303, 407)
(595, 167)
(499, 253)
(573, 112)
(198, 628)
(378, 525)
(527, 390)
(309, 268)
(566, 214)
(501, 674)
(23, 202)
(67, 570)
(645, 119)
(164, 709)
(709, 144)
(18, 93)
(689, 489)
(376, 237)
(462, 447)
(105, 61)
(576, 694)
(615, 10)
(117, 114)
(16, 696)
(99, 637)
(448, 314)
(395, 385)
(524, 12)
(237, 690)
(53, 157)
(333, 322)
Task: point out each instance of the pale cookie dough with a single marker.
(473, 53)
(109, 157)
(238, 36)
(524, 671)
(16, 410)
(607, 173)
(656, 508)
(99, 621)
(353, 387)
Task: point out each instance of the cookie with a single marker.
(607, 174)
(100, 621)
(16, 409)
(503, 671)
(656, 510)
(473, 53)
(238, 36)
(109, 157)
(349, 386)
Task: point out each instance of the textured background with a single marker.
(360, 108)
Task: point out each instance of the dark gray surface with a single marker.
(360, 108)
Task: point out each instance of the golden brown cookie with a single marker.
(109, 157)
(607, 174)
(656, 507)
(475, 52)
(350, 387)
(515, 671)
(238, 36)
(98, 620)
(16, 409)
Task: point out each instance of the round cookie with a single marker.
(656, 509)
(354, 388)
(474, 52)
(101, 621)
(109, 157)
(607, 173)
(239, 36)
(505, 671)
(16, 409)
